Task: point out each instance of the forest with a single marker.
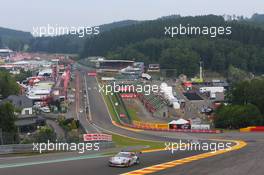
(146, 42)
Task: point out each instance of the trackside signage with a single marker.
(92, 74)
(97, 137)
(129, 95)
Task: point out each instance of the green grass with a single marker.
(133, 114)
(228, 130)
(119, 107)
(122, 141)
(110, 108)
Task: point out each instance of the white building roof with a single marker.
(5, 50)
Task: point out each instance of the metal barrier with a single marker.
(16, 148)
(28, 148)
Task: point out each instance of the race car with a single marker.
(124, 159)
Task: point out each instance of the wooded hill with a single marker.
(146, 42)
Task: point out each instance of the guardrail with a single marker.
(16, 148)
(28, 148)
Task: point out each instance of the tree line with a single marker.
(246, 108)
(120, 37)
(184, 54)
(146, 42)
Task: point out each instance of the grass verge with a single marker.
(110, 108)
(122, 141)
(133, 114)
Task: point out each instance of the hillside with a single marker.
(71, 43)
(14, 39)
(121, 37)
(257, 18)
(146, 41)
(10, 33)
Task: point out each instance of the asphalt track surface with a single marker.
(248, 160)
(92, 166)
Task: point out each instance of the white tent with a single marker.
(173, 122)
(167, 92)
(179, 122)
(176, 105)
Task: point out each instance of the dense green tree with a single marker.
(235, 75)
(217, 55)
(218, 61)
(45, 134)
(247, 108)
(184, 61)
(7, 118)
(15, 44)
(23, 75)
(8, 85)
(249, 92)
(238, 116)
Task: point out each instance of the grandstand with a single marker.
(155, 104)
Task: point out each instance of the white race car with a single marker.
(124, 159)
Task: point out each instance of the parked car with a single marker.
(45, 109)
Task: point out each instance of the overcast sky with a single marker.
(24, 14)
